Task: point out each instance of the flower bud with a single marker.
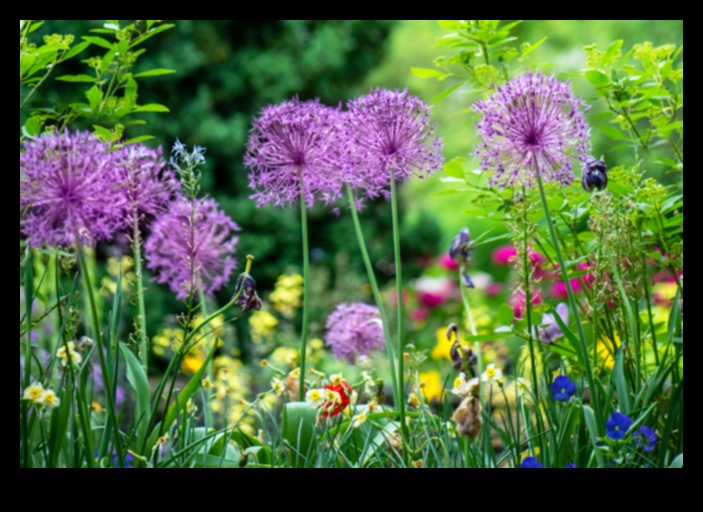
(594, 176)
(461, 248)
(249, 300)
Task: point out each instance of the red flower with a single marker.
(335, 408)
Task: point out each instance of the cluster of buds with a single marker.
(460, 251)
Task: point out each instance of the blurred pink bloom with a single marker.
(517, 302)
(432, 293)
(447, 263)
(419, 315)
(503, 255)
(559, 291)
(394, 298)
(494, 289)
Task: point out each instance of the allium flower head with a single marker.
(618, 425)
(192, 245)
(292, 145)
(148, 185)
(354, 330)
(70, 188)
(534, 123)
(389, 132)
(563, 388)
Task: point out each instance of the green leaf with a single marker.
(95, 96)
(426, 73)
(506, 315)
(449, 24)
(446, 93)
(299, 433)
(77, 78)
(597, 78)
(612, 132)
(138, 380)
(154, 72)
(590, 418)
(151, 107)
(529, 48)
(677, 463)
(32, 126)
(103, 132)
(75, 50)
(135, 140)
(98, 41)
(455, 168)
(621, 384)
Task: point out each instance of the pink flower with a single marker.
(419, 315)
(432, 293)
(559, 291)
(447, 263)
(503, 255)
(518, 303)
(494, 289)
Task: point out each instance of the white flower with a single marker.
(360, 420)
(464, 388)
(492, 374)
(75, 356)
(315, 398)
(34, 393)
(278, 387)
(523, 386)
(50, 400)
(336, 379)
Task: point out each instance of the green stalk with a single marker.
(472, 327)
(28, 297)
(572, 299)
(141, 309)
(527, 265)
(210, 371)
(401, 342)
(397, 393)
(103, 365)
(306, 291)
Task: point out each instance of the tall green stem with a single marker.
(397, 393)
(401, 341)
(306, 291)
(210, 369)
(472, 328)
(106, 371)
(28, 297)
(572, 300)
(141, 308)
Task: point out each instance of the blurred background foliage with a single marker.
(227, 70)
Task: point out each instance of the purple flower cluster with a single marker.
(294, 147)
(389, 134)
(354, 330)
(192, 246)
(71, 190)
(305, 147)
(534, 123)
(147, 183)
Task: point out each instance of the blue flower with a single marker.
(618, 425)
(646, 438)
(563, 389)
(128, 462)
(570, 465)
(531, 463)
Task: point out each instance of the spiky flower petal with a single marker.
(354, 330)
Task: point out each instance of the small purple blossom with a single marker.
(646, 438)
(294, 146)
(148, 185)
(70, 189)
(563, 389)
(192, 246)
(550, 332)
(618, 425)
(389, 133)
(531, 463)
(354, 330)
(570, 465)
(534, 123)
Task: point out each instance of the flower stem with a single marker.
(107, 374)
(401, 341)
(306, 292)
(572, 300)
(397, 393)
(208, 347)
(141, 309)
(472, 328)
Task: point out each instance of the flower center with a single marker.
(491, 373)
(35, 393)
(315, 396)
(617, 428)
(563, 391)
(49, 398)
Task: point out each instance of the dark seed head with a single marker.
(249, 300)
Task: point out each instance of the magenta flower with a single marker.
(389, 133)
(70, 189)
(295, 146)
(504, 255)
(559, 291)
(148, 185)
(354, 330)
(518, 302)
(192, 246)
(447, 263)
(534, 123)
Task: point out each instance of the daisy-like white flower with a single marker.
(50, 400)
(523, 386)
(34, 393)
(492, 374)
(336, 379)
(315, 398)
(278, 387)
(71, 354)
(463, 388)
(360, 420)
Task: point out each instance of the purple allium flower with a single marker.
(618, 425)
(354, 330)
(192, 245)
(292, 145)
(70, 188)
(531, 463)
(646, 438)
(149, 186)
(563, 389)
(551, 330)
(389, 133)
(532, 123)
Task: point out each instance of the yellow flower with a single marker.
(278, 387)
(263, 324)
(315, 398)
(74, 356)
(665, 291)
(360, 420)
(34, 393)
(444, 346)
(284, 356)
(50, 400)
(192, 363)
(526, 454)
(431, 385)
(288, 294)
(336, 379)
(606, 351)
(413, 400)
